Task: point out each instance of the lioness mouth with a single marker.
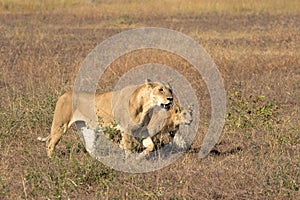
(166, 106)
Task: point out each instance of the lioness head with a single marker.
(182, 115)
(160, 94)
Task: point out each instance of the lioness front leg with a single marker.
(148, 143)
(126, 143)
(54, 137)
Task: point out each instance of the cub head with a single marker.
(182, 115)
(160, 94)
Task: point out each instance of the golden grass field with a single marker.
(255, 45)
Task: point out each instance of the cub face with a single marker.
(182, 115)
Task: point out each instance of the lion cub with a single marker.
(176, 117)
(164, 126)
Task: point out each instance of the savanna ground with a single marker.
(256, 47)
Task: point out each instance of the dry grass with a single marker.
(152, 8)
(256, 47)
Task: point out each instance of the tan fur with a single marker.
(143, 98)
(176, 117)
(169, 126)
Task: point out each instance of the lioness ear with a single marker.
(170, 81)
(169, 85)
(147, 81)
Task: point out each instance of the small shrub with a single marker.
(248, 112)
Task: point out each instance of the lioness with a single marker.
(130, 107)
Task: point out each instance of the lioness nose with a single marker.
(170, 99)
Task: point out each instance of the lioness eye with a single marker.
(161, 89)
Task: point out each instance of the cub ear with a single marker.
(176, 108)
(191, 108)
